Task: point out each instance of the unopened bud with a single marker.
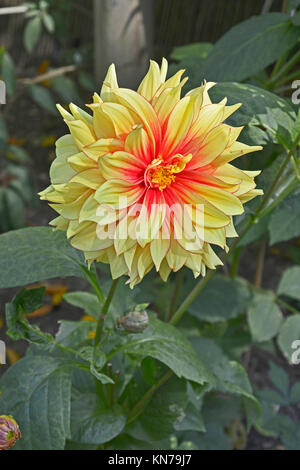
(9, 432)
(134, 322)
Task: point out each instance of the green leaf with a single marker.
(257, 232)
(272, 396)
(22, 183)
(29, 300)
(285, 220)
(220, 300)
(289, 432)
(32, 33)
(74, 333)
(167, 344)
(289, 332)
(264, 317)
(289, 284)
(261, 111)
(8, 73)
(197, 49)
(31, 254)
(48, 22)
(230, 375)
(26, 301)
(43, 98)
(163, 414)
(192, 421)
(295, 393)
(249, 47)
(85, 300)
(92, 423)
(13, 208)
(37, 392)
(279, 378)
(218, 413)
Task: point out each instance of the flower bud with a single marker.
(134, 322)
(9, 432)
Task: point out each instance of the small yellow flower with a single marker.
(146, 180)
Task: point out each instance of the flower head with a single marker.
(146, 180)
(9, 432)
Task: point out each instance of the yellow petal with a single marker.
(110, 83)
(178, 124)
(150, 82)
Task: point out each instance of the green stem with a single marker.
(288, 78)
(286, 68)
(290, 188)
(176, 291)
(235, 262)
(279, 63)
(93, 280)
(138, 408)
(104, 312)
(190, 298)
(286, 305)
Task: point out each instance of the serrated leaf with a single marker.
(37, 392)
(31, 254)
(264, 317)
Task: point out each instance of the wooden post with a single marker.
(123, 35)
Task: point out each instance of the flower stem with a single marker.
(92, 277)
(235, 263)
(104, 312)
(138, 408)
(176, 291)
(190, 298)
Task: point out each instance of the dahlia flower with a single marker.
(146, 180)
(9, 432)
